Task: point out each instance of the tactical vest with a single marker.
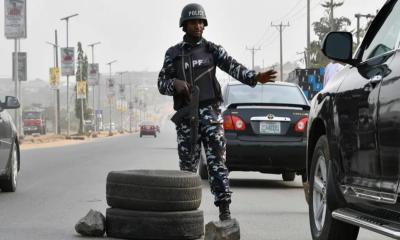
(197, 66)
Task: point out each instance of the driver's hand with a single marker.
(265, 77)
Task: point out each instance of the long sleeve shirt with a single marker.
(222, 59)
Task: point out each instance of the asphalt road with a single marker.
(57, 186)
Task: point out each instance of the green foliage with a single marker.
(81, 74)
(321, 28)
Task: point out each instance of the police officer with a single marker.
(194, 61)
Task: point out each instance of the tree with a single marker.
(326, 24)
(81, 75)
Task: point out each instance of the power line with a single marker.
(272, 39)
(289, 12)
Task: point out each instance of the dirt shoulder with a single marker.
(52, 140)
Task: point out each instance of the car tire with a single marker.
(203, 172)
(322, 225)
(288, 176)
(155, 135)
(128, 224)
(154, 190)
(10, 184)
(140, 135)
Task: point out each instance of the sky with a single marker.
(137, 33)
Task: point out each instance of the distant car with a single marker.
(107, 126)
(264, 127)
(89, 126)
(9, 154)
(148, 128)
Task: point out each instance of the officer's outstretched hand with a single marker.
(181, 87)
(268, 76)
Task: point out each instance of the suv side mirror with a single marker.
(339, 46)
(11, 103)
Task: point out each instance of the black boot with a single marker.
(224, 213)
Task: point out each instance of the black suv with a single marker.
(9, 147)
(353, 149)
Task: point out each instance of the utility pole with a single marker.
(58, 89)
(121, 99)
(55, 64)
(331, 17)
(110, 98)
(16, 80)
(307, 59)
(253, 49)
(280, 28)
(20, 128)
(358, 16)
(93, 87)
(82, 111)
(68, 114)
(129, 106)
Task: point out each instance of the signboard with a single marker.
(15, 19)
(54, 79)
(122, 105)
(110, 87)
(81, 89)
(22, 76)
(93, 74)
(67, 61)
(99, 113)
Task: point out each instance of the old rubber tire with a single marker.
(154, 190)
(129, 224)
(203, 172)
(288, 176)
(10, 184)
(323, 226)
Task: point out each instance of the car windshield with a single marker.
(31, 115)
(268, 93)
(147, 123)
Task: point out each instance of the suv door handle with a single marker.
(376, 79)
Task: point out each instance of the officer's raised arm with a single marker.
(238, 71)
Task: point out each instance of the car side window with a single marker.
(387, 36)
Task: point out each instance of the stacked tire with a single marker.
(154, 204)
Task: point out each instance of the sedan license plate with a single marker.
(270, 127)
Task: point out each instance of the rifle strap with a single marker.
(204, 73)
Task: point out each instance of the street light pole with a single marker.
(130, 105)
(55, 46)
(93, 87)
(121, 105)
(68, 114)
(110, 98)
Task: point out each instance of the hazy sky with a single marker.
(138, 32)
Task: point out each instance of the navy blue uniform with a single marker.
(196, 64)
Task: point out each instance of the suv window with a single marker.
(386, 37)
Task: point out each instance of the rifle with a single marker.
(191, 113)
